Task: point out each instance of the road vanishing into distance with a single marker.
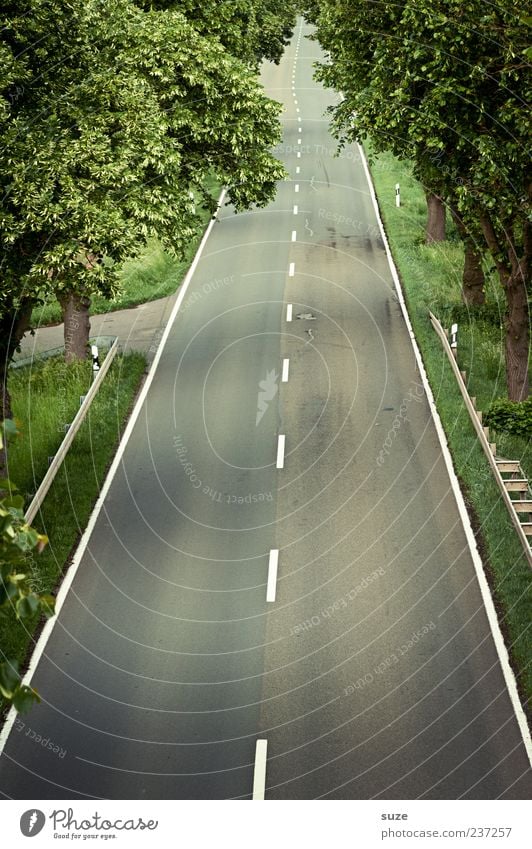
(280, 557)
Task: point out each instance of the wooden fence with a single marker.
(508, 474)
(58, 459)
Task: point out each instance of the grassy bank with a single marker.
(45, 397)
(154, 274)
(431, 278)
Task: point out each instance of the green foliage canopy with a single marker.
(251, 31)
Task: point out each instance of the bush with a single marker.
(492, 314)
(510, 416)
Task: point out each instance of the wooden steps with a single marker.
(505, 466)
(516, 484)
(522, 506)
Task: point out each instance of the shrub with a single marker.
(510, 416)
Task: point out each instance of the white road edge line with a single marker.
(273, 563)
(294, 235)
(498, 639)
(259, 772)
(286, 368)
(292, 269)
(280, 451)
(289, 312)
(80, 551)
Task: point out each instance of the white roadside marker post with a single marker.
(397, 195)
(454, 340)
(95, 361)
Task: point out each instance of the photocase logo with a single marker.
(32, 822)
(267, 392)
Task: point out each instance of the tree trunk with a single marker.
(517, 336)
(473, 275)
(514, 274)
(435, 219)
(13, 326)
(75, 309)
(5, 398)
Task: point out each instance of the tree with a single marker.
(446, 84)
(104, 143)
(275, 24)
(16, 300)
(250, 31)
(475, 59)
(17, 541)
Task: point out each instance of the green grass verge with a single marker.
(431, 278)
(45, 396)
(154, 274)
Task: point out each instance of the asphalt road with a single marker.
(373, 673)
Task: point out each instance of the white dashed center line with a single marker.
(294, 235)
(296, 187)
(292, 269)
(295, 209)
(289, 312)
(259, 772)
(271, 586)
(286, 368)
(280, 451)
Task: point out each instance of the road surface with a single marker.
(285, 451)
